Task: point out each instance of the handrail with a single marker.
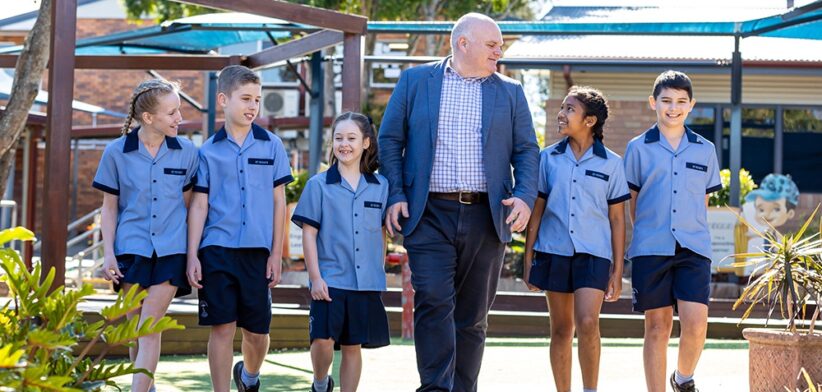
(73, 225)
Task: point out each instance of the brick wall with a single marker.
(88, 198)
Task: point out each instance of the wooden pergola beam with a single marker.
(352, 72)
(132, 62)
(58, 138)
(308, 44)
(297, 13)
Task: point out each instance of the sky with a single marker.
(16, 7)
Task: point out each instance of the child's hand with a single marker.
(273, 271)
(194, 272)
(319, 290)
(110, 269)
(525, 278)
(614, 287)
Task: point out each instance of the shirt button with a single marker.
(243, 188)
(674, 190)
(573, 197)
(675, 173)
(674, 211)
(153, 180)
(154, 216)
(152, 233)
(358, 267)
(356, 232)
(572, 232)
(155, 199)
(673, 229)
(153, 163)
(243, 223)
(577, 164)
(355, 214)
(572, 215)
(358, 249)
(575, 180)
(243, 205)
(241, 170)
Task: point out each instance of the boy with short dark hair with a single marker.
(238, 210)
(670, 171)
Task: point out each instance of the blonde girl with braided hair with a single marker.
(146, 176)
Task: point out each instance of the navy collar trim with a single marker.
(259, 133)
(333, 176)
(133, 142)
(599, 148)
(652, 135)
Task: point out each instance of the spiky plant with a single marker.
(40, 328)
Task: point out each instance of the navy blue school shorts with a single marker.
(659, 281)
(565, 274)
(235, 288)
(351, 318)
(150, 271)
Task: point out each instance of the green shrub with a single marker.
(722, 197)
(40, 328)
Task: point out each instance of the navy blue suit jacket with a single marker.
(408, 134)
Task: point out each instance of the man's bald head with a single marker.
(467, 25)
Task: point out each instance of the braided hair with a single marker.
(595, 105)
(145, 97)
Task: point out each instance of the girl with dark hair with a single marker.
(146, 177)
(341, 212)
(576, 235)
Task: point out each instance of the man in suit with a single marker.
(449, 137)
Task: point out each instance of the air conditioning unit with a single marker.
(280, 103)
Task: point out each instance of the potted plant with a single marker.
(788, 277)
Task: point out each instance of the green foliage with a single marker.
(161, 10)
(40, 329)
(789, 274)
(721, 198)
(294, 190)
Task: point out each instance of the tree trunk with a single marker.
(27, 76)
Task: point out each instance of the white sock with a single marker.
(321, 385)
(680, 379)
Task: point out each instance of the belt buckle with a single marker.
(466, 202)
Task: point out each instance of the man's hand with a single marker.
(392, 217)
(520, 213)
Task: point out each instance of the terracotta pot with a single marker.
(776, 357)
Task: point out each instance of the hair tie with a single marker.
(370, 120)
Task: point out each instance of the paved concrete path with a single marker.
(509, 365)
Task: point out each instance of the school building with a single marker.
(782, 107)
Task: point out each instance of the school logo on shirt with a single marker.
(696, 166)
(260, 161)
(373, 204)
(596, 174)
(174, 172)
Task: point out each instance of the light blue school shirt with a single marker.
(578, 193)
(239, 181)
(350, 247)
(151, 211)
(671, 186)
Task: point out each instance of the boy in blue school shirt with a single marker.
(671, 170)
(238, 210)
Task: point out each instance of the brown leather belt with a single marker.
(462, 197)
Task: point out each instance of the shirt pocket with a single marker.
(596, 187)
(695, 177)
(260, 173)
(372, 215)
(173, 181)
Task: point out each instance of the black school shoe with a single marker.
(330, 385)
(238, 379)
(687, 387)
